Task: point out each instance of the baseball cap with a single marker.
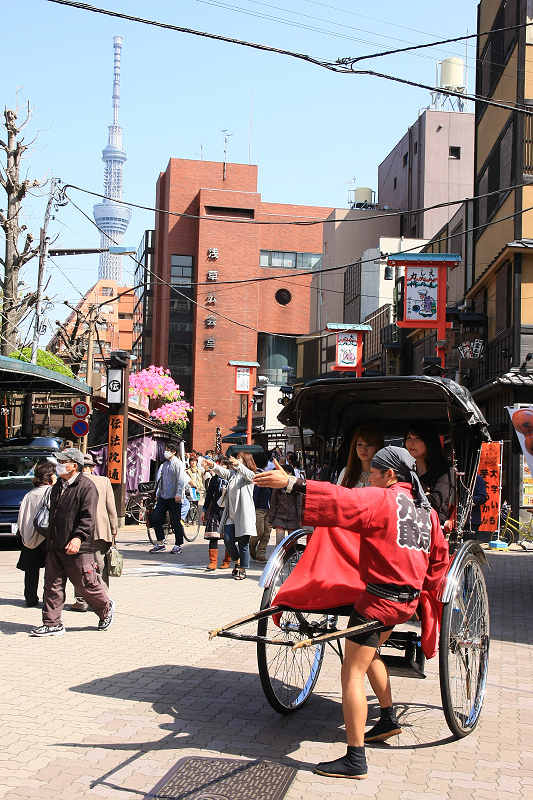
(88, 460)
(71, 454)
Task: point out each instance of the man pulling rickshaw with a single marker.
(376, 555)
(402, 552)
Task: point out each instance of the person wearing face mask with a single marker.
(238, 516)
(171, 480)
(70, 546)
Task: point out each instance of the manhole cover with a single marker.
(199, 778)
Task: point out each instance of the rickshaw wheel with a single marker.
(288, 676)
(464, 649)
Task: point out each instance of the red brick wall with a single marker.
(188, 187)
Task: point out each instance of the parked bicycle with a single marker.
(514, 529)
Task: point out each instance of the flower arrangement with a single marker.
(157, 384)
(173, 415)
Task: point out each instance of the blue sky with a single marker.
(312, 131)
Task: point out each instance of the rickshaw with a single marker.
(291, 642)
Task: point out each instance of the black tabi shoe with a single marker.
(383, 730)
(352, 765)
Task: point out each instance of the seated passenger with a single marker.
(366, 441)
(423, 443)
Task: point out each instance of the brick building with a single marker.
(192, 328)
(114, 325)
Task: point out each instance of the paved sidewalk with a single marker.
(105, 715)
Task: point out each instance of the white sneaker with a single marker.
(176, 549)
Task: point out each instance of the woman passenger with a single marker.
(423, 443)
(366, 441)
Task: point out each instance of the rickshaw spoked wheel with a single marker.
(464, 649)
(288, 676)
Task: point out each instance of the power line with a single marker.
(342, 66)
(278, 277)
(315, 222)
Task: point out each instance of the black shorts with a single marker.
(368, 638)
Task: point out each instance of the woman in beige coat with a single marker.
(33, 553)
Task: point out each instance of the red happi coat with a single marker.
(382, 538)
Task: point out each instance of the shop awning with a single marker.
(19, 376)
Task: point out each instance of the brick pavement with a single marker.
(105, 715)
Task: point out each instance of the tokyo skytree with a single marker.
(112, 217)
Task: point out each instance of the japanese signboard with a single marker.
(490, 469)
(421, 293)
(392, 361)
(522, 419)
(349, 352)
(115, 386)
(242, 379)
(471, 348)
(114, 456)
(527, 485)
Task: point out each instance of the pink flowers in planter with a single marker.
(172, 412)
(157, 384)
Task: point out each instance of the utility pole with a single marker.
(90, 350)
(43, 254)
(27, 408)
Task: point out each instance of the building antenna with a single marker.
(226, 140)
(201, 153)
(113, 217)
(250, 132)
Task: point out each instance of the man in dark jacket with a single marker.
(70, 546)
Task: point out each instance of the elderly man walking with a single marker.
(70, 546)
(106, 527)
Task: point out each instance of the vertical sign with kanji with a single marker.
(114, 457)
(490, 469)
(242, 380)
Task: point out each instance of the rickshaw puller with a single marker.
(403, 551)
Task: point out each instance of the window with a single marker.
(394, 183)
(220, 211)
(181, 268)
(455, 152)
(415, 148)
(405, 159)
(288, 260)
(125, 316)
(107, 291)
(283, 297)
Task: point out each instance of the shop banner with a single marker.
(114, 458)
(490, 469)
(522, 419)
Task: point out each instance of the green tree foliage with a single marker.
(44, 359)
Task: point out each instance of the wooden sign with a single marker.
(115, 443)
(349, 351)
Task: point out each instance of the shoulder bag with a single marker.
(41, 521)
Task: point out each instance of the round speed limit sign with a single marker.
(80, 409)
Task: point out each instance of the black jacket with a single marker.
(73, 514)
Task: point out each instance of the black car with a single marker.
(16, 473)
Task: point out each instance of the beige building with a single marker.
(433, 163)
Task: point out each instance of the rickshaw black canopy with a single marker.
(325, 403)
